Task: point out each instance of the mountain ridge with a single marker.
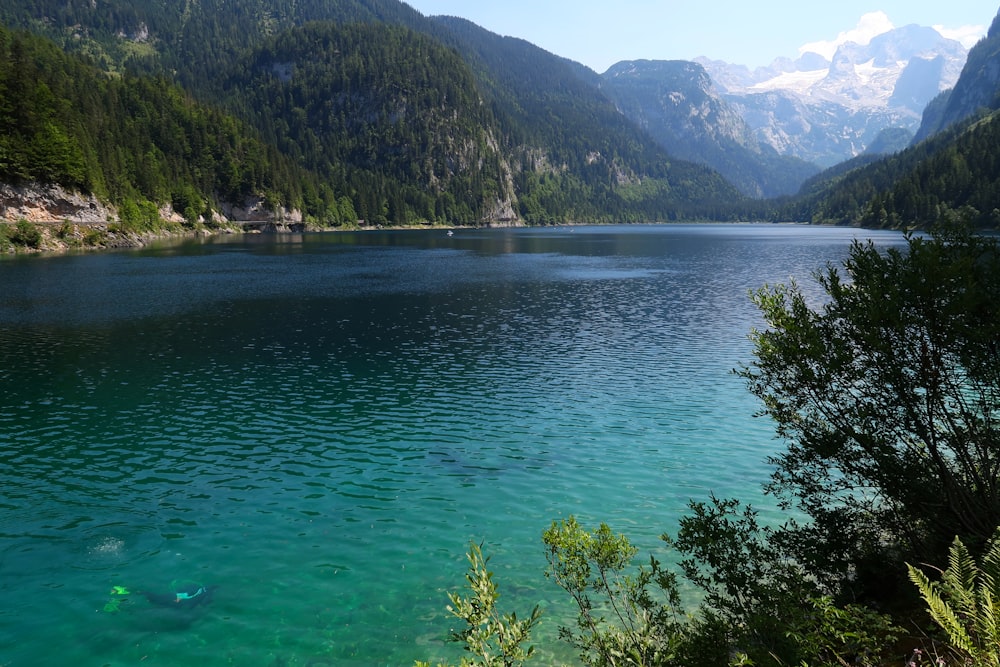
(826, 111)
(549, 148)
(675, 102)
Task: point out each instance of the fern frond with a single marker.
(959, 581)
(941, 611)
(990, 570)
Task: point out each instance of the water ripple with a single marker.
(324, 445)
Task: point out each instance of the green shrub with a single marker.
(497, 640)
(137, 216)
(25, 234)
(886, 391)
(94, 237)
(761, 607)
(621, 621)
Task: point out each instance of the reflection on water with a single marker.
(318, 424)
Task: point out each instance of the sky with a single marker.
(600, 33)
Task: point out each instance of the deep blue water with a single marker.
(319, 424)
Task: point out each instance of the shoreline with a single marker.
(54, 237)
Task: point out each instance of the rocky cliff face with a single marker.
(975, 90)
(59, 219)
(675, 103)
(50, 203)
(45, 203)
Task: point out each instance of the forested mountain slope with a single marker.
(957, 170)
(389, 116)
(128, 139)
(572, 146)
(190, 39)
(372, 100)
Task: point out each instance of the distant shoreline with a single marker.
(60, 237)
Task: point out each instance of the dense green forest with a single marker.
(382, 112)
(957, 169)
(131, 140)
(190, 40)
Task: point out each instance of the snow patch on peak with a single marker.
(828, 104)
(798, 82)
(858, 73)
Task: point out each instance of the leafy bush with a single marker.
(495, 639)
(751, 589)
(887, 395)
(761, 607)
(852, 635)
(94, 237)
(621, 622)
(137, 216)
(25, 234)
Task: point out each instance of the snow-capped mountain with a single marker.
(828, 110)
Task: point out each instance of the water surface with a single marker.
(318, 424)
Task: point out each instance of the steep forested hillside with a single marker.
(977, 90)
(128, 139)
(190, 39)
(575, 151)
(387, 115)
(958, 169)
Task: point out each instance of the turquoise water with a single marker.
(318, 424)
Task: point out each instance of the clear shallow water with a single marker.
(319, 424)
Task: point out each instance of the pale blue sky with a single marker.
(599, 33)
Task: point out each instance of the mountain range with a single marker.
(366, 110)
(827, 111)
(675, 103)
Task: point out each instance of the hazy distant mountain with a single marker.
(674, 102)
(976, 90)
(827, 111)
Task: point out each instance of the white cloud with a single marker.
(871, 25)
(968, 35)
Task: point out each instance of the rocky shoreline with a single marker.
(37, 218)
(37, 203)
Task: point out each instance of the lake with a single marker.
(303, 432)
